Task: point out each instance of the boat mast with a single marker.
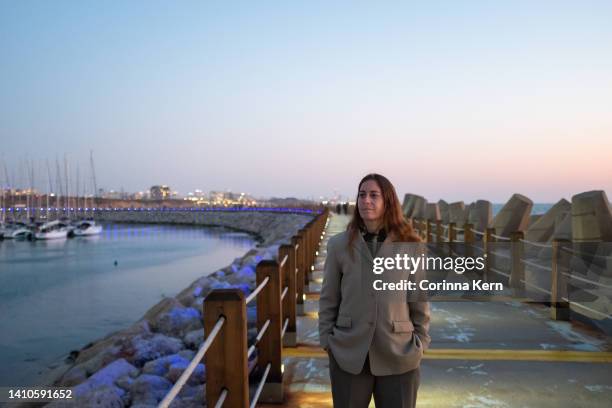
(60, 189)
(76, 207)
(8, 185)
(2, 201)
(67, 184)
(95, 185)
(32, 206)
(49, 190)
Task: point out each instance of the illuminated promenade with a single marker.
(483, 354)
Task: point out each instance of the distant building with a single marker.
(160, 192)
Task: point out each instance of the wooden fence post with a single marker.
(560, 308)
(517, 273)
(226, 359)
(438, 232)
(428, 231)
(308, 249)
(489, 248)
(452, 236)
(270, 347)
(298, 240)
(468, 239)
(289, 301)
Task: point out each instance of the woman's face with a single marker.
(370, 201)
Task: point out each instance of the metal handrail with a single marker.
(260, 386)
(536, 287)
(285, 327)
(526, 262)
(578, 278)
(571, 251)
(480, 233)
(500, 255)
(258, 338)
(282, 263)
(501, 237)
(258, 289)
(284, 292)
(221, 399)
(536, 244)
(192, 365)
(499, 272)
(605, 316)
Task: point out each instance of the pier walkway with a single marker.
(502, 353)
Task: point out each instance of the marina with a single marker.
(58, 295)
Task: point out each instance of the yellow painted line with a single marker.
(521, 355)
(304, 352)
(317, 296)
(567, 356)
(492, 298)
(304, 399)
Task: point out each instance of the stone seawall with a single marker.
(266, 226)
(138, 365)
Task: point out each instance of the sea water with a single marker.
(59, 295)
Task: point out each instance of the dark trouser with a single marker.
(355, 390)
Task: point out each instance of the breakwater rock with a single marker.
(267, 226)
(137, 366)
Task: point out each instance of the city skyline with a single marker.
(449, 101)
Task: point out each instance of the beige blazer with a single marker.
(355, 319)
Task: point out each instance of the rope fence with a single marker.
(225, 350)
(436, 232)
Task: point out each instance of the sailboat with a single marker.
(16, 230)
(52, 230)
(87, 228)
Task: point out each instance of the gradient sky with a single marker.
(454, 99)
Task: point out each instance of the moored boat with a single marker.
(87, 228)
(52, 230)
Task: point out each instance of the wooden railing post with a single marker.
(422, 229)
(517, 273)
(559, 308)
(300, 242)
(226, 359)
(270, 347)
(438, 232)
(307, 253)
(289, 302)
(428, 231)
(468, 239)
(489, 248)
(452, 236)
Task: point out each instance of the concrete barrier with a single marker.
(542, 229)
(591, 217)
(514, 215)
(480, 215)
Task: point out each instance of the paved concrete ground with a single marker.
(483, 354)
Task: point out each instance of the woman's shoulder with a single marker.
(339, 240)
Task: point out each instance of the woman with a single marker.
(375, 339)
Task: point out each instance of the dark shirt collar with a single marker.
(374, 237)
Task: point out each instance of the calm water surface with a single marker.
(57, 296)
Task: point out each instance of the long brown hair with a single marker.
(394, 222)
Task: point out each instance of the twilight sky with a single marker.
(453, 100)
